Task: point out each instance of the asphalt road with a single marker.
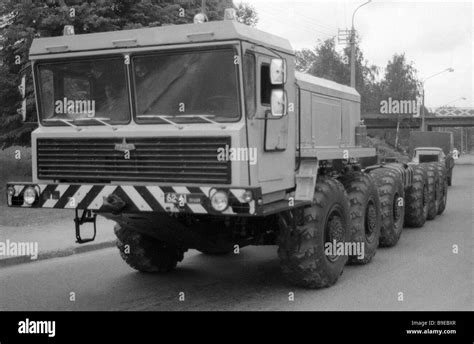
(422, 266)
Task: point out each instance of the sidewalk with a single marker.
(51, 241)
(465, 159)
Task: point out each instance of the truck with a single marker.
(204, 136)
(431, 146)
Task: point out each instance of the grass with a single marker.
(384, 150)
(15, 166)
(19, 170)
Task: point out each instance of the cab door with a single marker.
(268, 134)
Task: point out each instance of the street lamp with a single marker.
(353, 82)
(423, 94)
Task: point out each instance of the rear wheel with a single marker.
(144, 253)
(365, 214)
(305, 235)
(432, 175)
(416, 199)
(442, 187)
(392, 204)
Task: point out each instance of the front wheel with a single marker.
(309, 238)
(144, 253)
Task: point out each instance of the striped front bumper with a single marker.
(137, 198)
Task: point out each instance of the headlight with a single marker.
(29, 196)
(11, 191)
(220, 201)
(247, 196)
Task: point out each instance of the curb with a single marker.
(10, 261)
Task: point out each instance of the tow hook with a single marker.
(86, 216)
(114, 203)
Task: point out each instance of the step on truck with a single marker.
(203, 136)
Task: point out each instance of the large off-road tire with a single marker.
(144, 253)
(304, 233)
(433, 189)
(416, 199)
(365, 214)
(392, 203)
(442, 187)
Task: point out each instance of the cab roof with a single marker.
(429, 148)
(158, 36)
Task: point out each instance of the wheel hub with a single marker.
(397, 209)
(335, 231)
(370, 221)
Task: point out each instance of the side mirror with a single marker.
(278, 72)
(278, 103)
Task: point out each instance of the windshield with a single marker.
(82, 91)
(187, 84)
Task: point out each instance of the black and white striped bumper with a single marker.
(137, 198)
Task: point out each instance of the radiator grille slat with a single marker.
(160, 160)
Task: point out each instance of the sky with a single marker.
(434, 35)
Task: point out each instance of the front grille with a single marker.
(160, 160)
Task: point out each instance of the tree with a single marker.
(325, 62)
(400, 83)
(21, 22)
(246, 14)
(305, 58)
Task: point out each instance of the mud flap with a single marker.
(306, 179)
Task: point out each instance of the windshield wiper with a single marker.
(163, 118)
(204, 117)
(100, 120)
(68, 122)
(166, 118)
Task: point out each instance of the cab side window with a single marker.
(265, 84)
(249, 84)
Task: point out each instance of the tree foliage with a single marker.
(399, 81)
(326, 62)
(21, 22)
(246, 14)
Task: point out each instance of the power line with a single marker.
(303, 26)
(311, 20)
(302, 22)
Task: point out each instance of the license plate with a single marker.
(176, 198)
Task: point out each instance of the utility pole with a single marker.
(353, 70)
(423, 110)
(203, 6)
(353, 67)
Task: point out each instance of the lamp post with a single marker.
(423, 95)
(353, 83)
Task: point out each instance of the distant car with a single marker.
(435, 154)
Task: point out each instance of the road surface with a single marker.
(422, 266)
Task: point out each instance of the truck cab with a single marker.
(428, 154)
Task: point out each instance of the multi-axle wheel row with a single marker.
(360, 209)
